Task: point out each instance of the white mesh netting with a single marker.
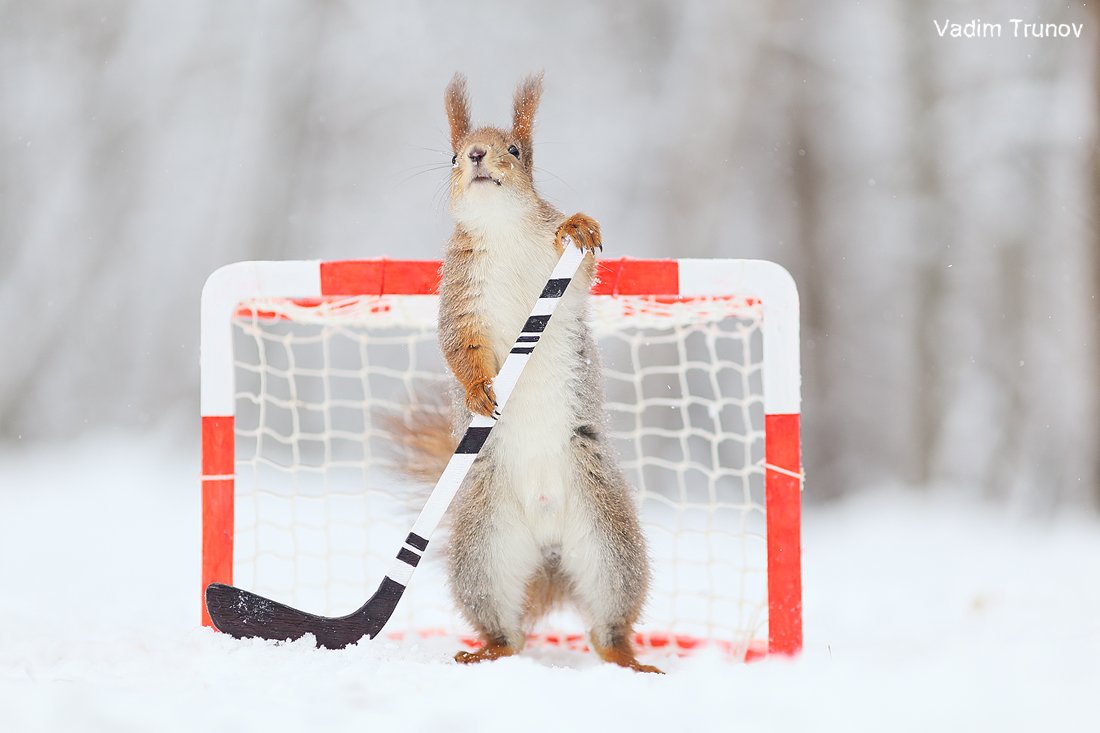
(320, 510)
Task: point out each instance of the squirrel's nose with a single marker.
(476, 154)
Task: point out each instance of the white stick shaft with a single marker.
(480, 426)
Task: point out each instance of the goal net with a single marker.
(319, 502)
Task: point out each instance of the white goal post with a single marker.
(304, 364)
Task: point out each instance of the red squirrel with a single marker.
(545, 516)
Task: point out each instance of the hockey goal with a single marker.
(306, 364)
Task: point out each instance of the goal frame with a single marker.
(761, 281)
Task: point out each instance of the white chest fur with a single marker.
(532, 437)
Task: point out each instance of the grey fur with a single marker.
(474, 573)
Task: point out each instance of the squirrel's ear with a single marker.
(525, 103)
(457, 104)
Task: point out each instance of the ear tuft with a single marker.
(456, 102)
(525, 103)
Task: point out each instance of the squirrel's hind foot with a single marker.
(486, 653)
(621, 652)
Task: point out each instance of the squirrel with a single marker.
(545, 515)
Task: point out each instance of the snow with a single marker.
(921, 610)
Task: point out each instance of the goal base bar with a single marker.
(678, 644)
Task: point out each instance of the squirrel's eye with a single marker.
(454, 159)
(513, 150)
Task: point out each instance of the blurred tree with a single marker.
(1094, 296)
(929, 194)
(933, 221)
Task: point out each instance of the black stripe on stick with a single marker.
(406, 555)
(473, 440)
(415, 540)
(523, 349)
(527, 339)
(536, 324)
(555, 288)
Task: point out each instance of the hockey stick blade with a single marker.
(246, 615)
(243, 615)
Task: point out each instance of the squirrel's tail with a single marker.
(423, 438)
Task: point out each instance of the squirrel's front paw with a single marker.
(481, 399)
(583, 230)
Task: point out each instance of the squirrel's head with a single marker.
(491, 166)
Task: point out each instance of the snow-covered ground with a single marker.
(922, 612)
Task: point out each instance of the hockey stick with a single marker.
(243, 614)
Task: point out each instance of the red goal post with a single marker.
(310, 282)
